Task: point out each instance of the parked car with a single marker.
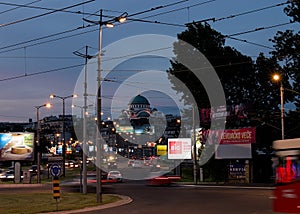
(33, 170)
(115, 175)
(3, 174)
(9, 175)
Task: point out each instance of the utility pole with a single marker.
(84, 140)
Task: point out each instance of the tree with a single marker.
(235, 70)
(286, 52)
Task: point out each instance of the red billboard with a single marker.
(231, 136)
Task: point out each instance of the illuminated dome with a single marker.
(139, 101)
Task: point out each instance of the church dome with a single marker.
(139, 100)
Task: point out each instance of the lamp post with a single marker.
(109, 23)
(83, 180)
(47, 105)
(277, 77)
(63, 126)
(194, 147)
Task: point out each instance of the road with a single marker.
(183, 199)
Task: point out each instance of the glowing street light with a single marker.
(109, 23)
(63, 126)
(277, 77)
(47, 105)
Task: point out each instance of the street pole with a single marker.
(98, 141)
(64, 140)
(282, 109)
(108, 23)
(84, 116)
(84, 170)
(38, 145)
(63, 127)
(194, 147)
(48, 105)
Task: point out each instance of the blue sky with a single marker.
(19, 96)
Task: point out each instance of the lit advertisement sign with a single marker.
(16, 146)
(232, 136)
(161, 150)
(179, 148)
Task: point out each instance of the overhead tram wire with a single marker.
(178, 9)
(52, 40)
(252, 11)
(69, 31)
(238, 14)
(17, 7)
(43, 14)
(146, 21)
(40, 72)
(260, 28)
(158, 7)
(155, 22)
(251, 43)
(42, 8)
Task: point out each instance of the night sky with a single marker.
(37, 43)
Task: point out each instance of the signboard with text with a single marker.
(179, 148)
(231, 136)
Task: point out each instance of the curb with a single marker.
(124, 200)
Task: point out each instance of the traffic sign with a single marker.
(55, 170)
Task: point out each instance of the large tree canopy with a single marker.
(287, 53)
(242, 81)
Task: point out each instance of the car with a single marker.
(3, 174)
(115, 175)
(9, 175)
(112, 165)
(137, 164)
(33, 170)
(130, 162)
(147, 162)
(72, 164)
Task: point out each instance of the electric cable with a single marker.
(43, 14)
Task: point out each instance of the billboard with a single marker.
(179, 148)
(231, 136)
(16, 146)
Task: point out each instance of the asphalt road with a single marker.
(189, 199)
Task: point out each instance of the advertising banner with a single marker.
(161, 150)
(179, 148)
(16, 146)
(232, 136)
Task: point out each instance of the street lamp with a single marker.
(109, 23)
(277, 77)
(63, 126)
(83, 180)
(47, 105)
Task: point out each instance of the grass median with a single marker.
(32, 203)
